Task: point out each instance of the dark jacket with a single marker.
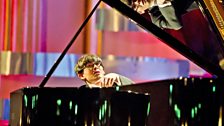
(169, 17)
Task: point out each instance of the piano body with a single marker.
(182, 101)
(78, 107)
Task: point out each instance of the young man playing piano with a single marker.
(164, 13)
(90, 69)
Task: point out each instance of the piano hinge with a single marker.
(215, 10)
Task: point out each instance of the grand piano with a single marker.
(181, 101)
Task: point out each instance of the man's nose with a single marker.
(95, 66)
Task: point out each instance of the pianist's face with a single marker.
(93, 72)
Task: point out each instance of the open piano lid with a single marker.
(202, 31)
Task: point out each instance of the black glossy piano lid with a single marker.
(203, 42)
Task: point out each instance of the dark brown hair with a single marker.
(88, 58)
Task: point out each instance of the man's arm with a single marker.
(165, 16)
(125, 81)
(170, 15)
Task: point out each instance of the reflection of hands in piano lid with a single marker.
(139, 5)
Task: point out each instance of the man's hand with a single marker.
(153, 2)
(160, 2)
(143, 1)
(109, 80)
(141, 5)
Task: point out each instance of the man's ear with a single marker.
(80, 75)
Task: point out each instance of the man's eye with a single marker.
(89, 65)
(97, 64)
